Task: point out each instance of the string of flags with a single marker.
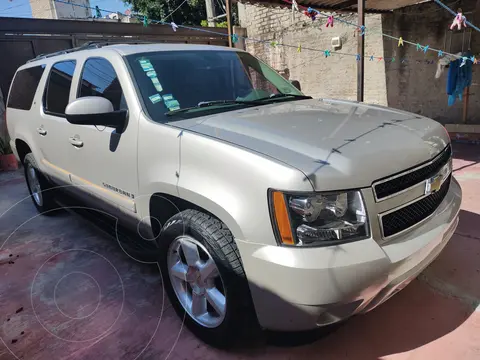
(272, 43)
(312, 13)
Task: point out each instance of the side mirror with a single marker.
(96, 110)
(296, 83)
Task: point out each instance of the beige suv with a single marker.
(262, 201)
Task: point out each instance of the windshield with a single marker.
(170, 81)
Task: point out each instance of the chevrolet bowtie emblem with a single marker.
(433, 184)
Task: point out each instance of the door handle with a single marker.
(75, 142)
(42, 131)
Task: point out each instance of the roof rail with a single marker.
(87, 46)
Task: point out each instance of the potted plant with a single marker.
(8, 162)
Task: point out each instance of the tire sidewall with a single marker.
(224, 334)
(47, 196)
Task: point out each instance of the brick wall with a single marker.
(410, 86)
(334, 77)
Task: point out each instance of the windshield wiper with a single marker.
(206, 104)
(280, 96)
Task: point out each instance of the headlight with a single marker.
(319, 219)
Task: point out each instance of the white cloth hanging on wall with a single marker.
(444, 61)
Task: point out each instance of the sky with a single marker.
(21, 8)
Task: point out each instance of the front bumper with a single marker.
(303, 288)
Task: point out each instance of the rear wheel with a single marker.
(38, 186)
(204, 277)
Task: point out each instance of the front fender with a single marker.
(232, 183)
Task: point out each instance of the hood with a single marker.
(336, 144)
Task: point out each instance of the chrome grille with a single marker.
(406, 179)
(410, 215)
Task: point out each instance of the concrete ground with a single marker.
(68, 291)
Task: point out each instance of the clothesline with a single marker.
(454, 14)
(299, 47)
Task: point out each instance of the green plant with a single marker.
(222, 24)
(5, 148)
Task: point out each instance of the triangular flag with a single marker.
(371, 58)
(419, 47)
(464, 61)
(393, 59)
(380, 58)
(97, 11)
(234, 38)
(400, 41)
(299, 48)
(174, 26)
(357, 57)
(425, 48)
(440, 53)
(145, 21)
(327, 53)
(274, 44)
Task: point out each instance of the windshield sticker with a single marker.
(146, 65)
(172, 105)
(151, 74)
(155, 98)
(157, 84)
(167, 97)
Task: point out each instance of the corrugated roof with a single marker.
(371, 6)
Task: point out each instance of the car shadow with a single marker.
(467, 154)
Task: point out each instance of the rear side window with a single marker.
(24, 87)
(58, 87)
(100, 79)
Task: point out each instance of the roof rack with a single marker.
(87, 46)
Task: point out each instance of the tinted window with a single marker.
(58, 87)
(173, 80)
(24, 87)
(100, 79)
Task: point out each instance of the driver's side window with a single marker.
(100, 79)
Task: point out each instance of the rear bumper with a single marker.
(299, 289)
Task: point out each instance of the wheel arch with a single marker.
(22, 149)
(162, 206)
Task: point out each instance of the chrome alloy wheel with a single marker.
(34, 185)
(196, 281)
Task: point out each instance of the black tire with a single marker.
(47, 202)
(239, 320)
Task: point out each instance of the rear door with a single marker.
(52, 129)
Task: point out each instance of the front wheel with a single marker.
(204, 277)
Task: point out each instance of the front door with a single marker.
(105, 161)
